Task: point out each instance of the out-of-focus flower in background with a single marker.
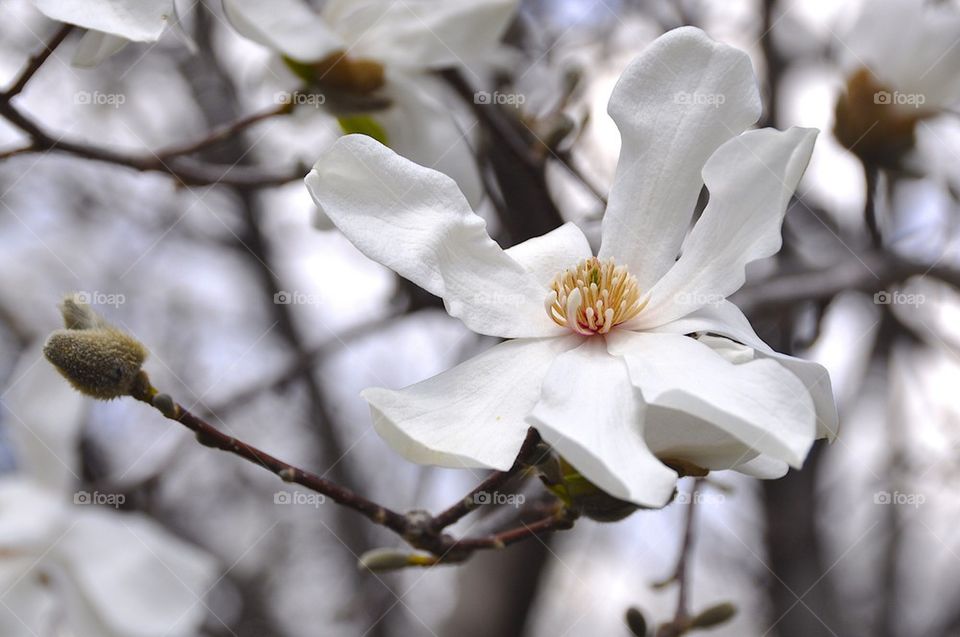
(110, 24)
(70, 561)
(606, 372)
(381, 49)
(902, 65)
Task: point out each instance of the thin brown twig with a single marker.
(871, 273)
(418, 528)
(13, 152)
(223, 132)
(560, 520)
(189, 173)
(36, 61)
(210, 436)
(871, 214)
(489, 485)
(681, 574)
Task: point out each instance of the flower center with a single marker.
(593, 296)
(877, 123)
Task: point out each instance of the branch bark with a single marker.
(36, 61)
(418, 528)
(870, 273)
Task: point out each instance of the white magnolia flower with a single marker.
(890, 96)
(110, 24)
(70, 566)
(408, 41)
(601, 361)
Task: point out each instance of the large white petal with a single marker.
(287, 26)
(751, 179)
(723, 318)
(416, 221)
(421, 33)
(679, 435)
(759, 402)
(44, 419)
(133, 576)
(674, 105)
(471, 415)
(727, 320)
(591, 415)
(422, 126)
(140, 20)
(548, 255)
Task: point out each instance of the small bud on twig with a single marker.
(636, 622)
(165, 404)
(95, 357)
(714, 616)
(384, 559)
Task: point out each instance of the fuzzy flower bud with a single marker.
(98, 359)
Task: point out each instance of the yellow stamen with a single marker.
(594, 296)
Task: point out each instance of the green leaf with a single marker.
(302, 70)
(714, 616)
(364, 125)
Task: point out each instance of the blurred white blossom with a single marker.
(110, 24)
(392, 49)
(69, 563)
